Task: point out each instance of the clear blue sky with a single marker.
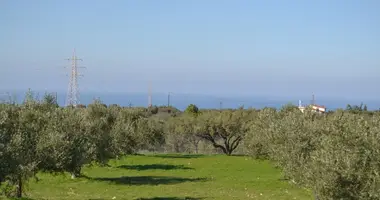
(242, 47)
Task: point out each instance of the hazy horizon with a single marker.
(181, 100)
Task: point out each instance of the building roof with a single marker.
(319, 106)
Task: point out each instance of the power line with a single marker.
(72, 97)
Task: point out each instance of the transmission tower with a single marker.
(169, 93)
(150, 95)
(313, 99)
(73, 92)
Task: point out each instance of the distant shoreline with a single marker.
(181, 101)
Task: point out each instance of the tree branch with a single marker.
(212, 140)
(236, 143)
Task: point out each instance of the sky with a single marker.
(217, 47)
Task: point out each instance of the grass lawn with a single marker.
(171, 177)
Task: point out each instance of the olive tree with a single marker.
(149, 133)
(19, 137)
(346, 163)
(175, 140)
(181, 133)
(335, 154)
(261, 130)
(8, 118)
(67, 143)
(123, 133)
(225, 130)
(99, 122)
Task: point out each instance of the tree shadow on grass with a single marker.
(239, 155)
(284, 179)
(177, 155)
(170, 198)
(154, 166)
(147, 180)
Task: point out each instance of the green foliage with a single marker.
(357, 109)
(346, 163)
(67, 143)
(227, 126)
(181, 134)
(153, 110)
(81, 106)
(99, 122)
(168, 109)
(288, 108)
(50, 99)
(192, 109)
(29, 97)
(335, 154)
(19, 138)
(149, 133)
(40, 136)
(123, 133)
(258, 138)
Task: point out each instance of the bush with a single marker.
(192, 109)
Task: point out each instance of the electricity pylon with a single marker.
(150, 94)
(72, 98)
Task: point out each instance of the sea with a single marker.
(181, 101)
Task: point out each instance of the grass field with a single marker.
(171, 177)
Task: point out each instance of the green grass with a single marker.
(172, 177)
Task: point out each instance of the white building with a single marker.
(314, 107)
